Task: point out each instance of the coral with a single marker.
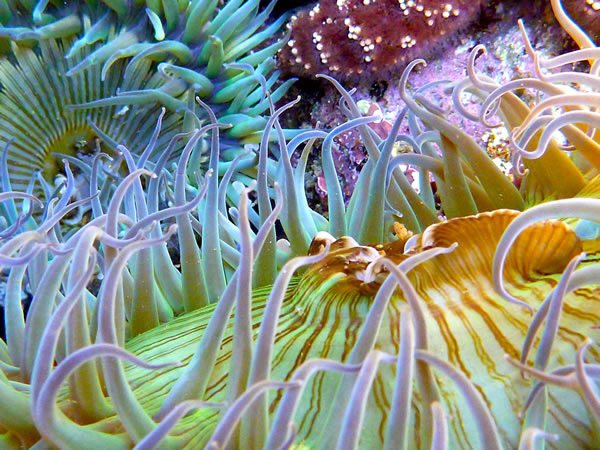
(347, 38)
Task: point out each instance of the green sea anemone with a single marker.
(80, 78)
(209, 371)
(169, 320)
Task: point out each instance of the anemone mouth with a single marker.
(80, 142)
(358, 264)
(477, 235)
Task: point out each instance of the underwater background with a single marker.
(252, 224)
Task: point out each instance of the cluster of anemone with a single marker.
(178, 315)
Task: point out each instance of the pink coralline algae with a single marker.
(346, 38)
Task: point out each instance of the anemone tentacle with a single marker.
(103, 81)
(145, 328)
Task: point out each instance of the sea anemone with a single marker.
(144, 329)
(210, 372)
(81, 78)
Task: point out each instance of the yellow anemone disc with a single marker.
(467, 323)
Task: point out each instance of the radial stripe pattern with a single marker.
(468, 325)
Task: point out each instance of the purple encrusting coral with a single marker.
(372, 39)
(346, 38)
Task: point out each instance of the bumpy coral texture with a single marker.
(347, 38)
